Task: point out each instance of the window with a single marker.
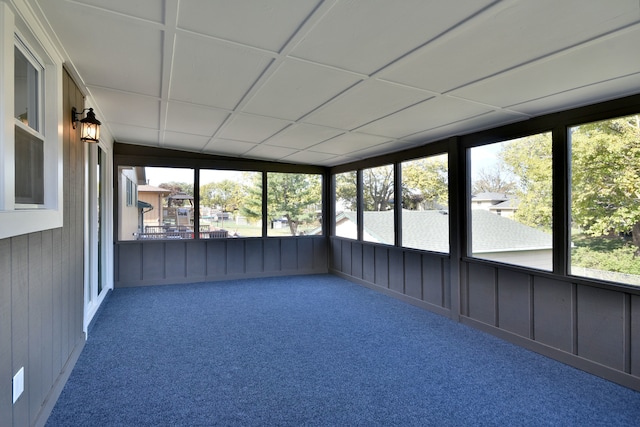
(26, 89)
(29, 142)
(605, 200)
(511, 202)
(346, 204)
(31, 187)
(230, 204)
(155, 203)
(132, 192)
(378, 198)
(425, 204)
(294, 204)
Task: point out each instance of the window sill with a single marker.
(18, 222)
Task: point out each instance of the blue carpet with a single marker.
(314, 350)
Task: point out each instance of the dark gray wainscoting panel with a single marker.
(514, 302)
(396, 270)
(381, 266)
(601, 319)
(553, 313)
(142, 263)
(416, 277)
(482, 292)
(634, 331)
(593, 328)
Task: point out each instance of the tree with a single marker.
(226, 195)
(377, 186)
(605, 190)
(346, 190)
(251, 206)
(425, 182)
(294, 196)
(529, 160)
(495, 180)
(177, 187)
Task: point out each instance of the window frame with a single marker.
(445, 212)
(126, 155)
(15, 218)
(468, 250)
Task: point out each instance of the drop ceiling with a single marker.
(330, 82)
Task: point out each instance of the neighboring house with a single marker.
(498, 203)
(153, 196)
(506, 209)
(128, 211)
(494, 237)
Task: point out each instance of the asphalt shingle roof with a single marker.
(430, 230)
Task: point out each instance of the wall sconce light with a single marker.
(90, 126)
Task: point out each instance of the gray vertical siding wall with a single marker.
(140, 263)
(41, 295)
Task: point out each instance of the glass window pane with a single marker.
(230, 204)
(511, 202)
(294, 204)
(425, 204)
(26, 97)
(605, 200)
(29, 161)
(346, 204)
(378, 198)
(155, 203)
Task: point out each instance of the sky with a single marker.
(157, 176)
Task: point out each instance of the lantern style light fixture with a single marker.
(90, 126)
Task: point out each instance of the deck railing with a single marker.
(161, 232)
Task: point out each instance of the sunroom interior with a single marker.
(441, 154)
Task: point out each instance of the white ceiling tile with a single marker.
(481, 122)
(309, 158)
(387, 147)
(366, 102)
(301, 136)
(194, 119)
(228, 147)
(264, 24)
(585, 95)
(603, 60)
(124, 108)
(269, 152)
(366, 36)
(109, 50)
(134, 135)
(512, 35)
(212, 73)
(432, 113)
(151, 10)
(348, 143)
(248, 128)
(184, 141)
(297, 88)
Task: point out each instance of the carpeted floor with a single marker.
(314, 350)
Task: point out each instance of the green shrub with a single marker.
(621, 260)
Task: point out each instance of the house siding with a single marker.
(41, 294)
